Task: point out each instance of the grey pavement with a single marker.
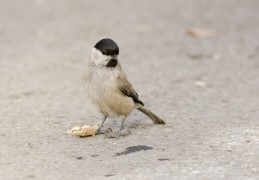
(206, 89)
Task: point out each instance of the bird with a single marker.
(108, 87)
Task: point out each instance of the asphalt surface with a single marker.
(206, 89)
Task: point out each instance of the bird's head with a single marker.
(105, 53)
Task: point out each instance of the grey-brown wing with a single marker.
(127, 89)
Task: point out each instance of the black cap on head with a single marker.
(107, 47)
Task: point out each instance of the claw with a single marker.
(118, 134)
(103, 131)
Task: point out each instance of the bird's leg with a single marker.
(119, 133)
(122, 123)
(100, 131)
(103, 121)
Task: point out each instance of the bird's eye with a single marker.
(105, 52)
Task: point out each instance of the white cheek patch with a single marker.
(98, 57)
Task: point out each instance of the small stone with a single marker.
(200, 83)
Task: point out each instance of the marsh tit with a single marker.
(108, 87)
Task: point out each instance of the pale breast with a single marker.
(105, 95)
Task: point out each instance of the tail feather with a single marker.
(152, 116)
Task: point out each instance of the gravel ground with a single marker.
(206, 89)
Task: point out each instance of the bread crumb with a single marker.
(84, 131)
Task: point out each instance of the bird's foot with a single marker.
(101, 130)
(118, 134)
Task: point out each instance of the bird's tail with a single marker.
(152, 116)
